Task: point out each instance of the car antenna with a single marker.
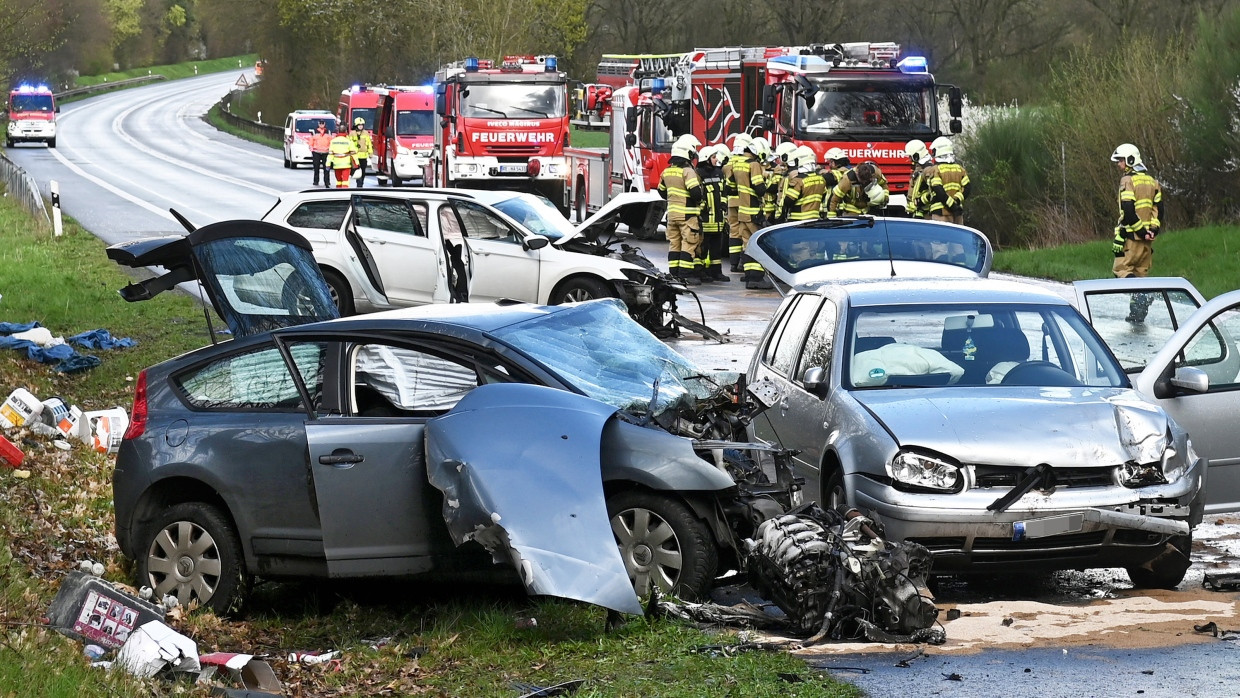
(206, 313)
(890, 258)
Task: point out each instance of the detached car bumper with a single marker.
(1067, 528)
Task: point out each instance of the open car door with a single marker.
(258, 276)
(1184, 354)
(797, 255)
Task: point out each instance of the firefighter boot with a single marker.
(1138, 308)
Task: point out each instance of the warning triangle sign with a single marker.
(242, 82)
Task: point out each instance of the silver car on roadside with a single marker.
(983, 419)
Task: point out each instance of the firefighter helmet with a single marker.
(1128, 154)
(683, 149)
(721, 150)
(917, 152)
(760, 146)
(835, 155)
(740, 143)
(942, 150)
(691, 140)
(803, 156)
(359, 122)
(784, 150)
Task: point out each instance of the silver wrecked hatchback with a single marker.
(983, 419)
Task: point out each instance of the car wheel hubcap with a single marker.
(184, 561)
(579, 294)
(650, 549)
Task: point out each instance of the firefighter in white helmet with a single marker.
(750, 181)
(802, 198)
(1140, 221)
(776, 172)
(740, 144)
(946, 183)
(711, 160)
(919, 157)
(682, 188)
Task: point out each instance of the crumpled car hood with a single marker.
(519, 466)
(1024, 426)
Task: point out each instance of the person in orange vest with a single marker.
(341, 157)
(320, 143)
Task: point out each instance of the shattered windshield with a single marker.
(597, 348)
(868, 108)
(538, 215)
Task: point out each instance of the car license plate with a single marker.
(512, 169)
(1050, 526)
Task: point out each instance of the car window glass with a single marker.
(820, 342)
(480, 224)
(390, 215)
(768, 352)
(253, 380)
(1215, 349)
(421, 210)
(390, 381)
(320, 215)
(1135, 343)
(788, 347)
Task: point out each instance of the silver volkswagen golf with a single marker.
(983, 419)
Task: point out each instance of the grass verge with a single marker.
(215, 118)
(582, 138)
(396, 639)
(174, 71)
(1209, 257)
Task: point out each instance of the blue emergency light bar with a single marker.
(913, 64)
(658, 85)
(356, 88)
(28, 89)
(551, 63)
(471, 64)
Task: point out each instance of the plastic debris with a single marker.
(93, 652)
(21, 474)
(153, 647)
(20, 407)
(309, 658)
(91, 609)
(254, 675)
(10, 454)
(1227, 580)
(106, 427)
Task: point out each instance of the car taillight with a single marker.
(137, 416)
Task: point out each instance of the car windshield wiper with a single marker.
(543, 114)
(493, 111)
(838, 222)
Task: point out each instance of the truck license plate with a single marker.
(1050, 526)
(512, 169)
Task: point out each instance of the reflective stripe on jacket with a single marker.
(362, 143)
(675, 184)
(1145, 196)
(809, 204)
(340, 153)
(749, 179)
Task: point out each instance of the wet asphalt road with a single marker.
(125, 158)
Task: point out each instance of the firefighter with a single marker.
(714, 212)
(682, 188)
(804, 187)
(320, 142)
(860, 189)
(1140, 220)
(946, 183)
(340, 156)
(919, 157)
(363, 147)
(750, 180)
(735, 247)
(776, 172)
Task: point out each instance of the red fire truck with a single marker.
(32, 115)
(864, 98)
(502, 127)
(359, 100)
(405, 133)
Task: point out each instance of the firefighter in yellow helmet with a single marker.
(340, 156)
(750, 178)
(946, 182)
(1140, 221)
(364, 148)
(711, 160)
(682, 188)
(919, 157)
(740, 145)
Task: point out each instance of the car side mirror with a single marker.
(535, 242)
(389, 132)
(814, 378)
(1190, 379)
(630, 140)
(956, 126)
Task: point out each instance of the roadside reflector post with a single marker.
(57, 226)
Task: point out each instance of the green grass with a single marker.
(215, 118)
(1209, 257)
(174, 71)
(582, 138)
(472, 646)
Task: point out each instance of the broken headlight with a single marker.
(1166, 469)
(924, 470)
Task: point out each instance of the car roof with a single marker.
(883, 292)
(320, 193)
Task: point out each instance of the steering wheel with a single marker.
(1038, 373)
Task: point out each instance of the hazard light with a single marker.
(28, 89)
(913, 64)
(471, 64)
(552, 62)
(533, 168)
(658, 85)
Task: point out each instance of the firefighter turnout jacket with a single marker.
(917, 189)
(750, 181)
(803, 196)
(362, 143)
(340, 155)
(947, 184)
(1140, 205)
(682, 188)
(714, 209)
(848, 197)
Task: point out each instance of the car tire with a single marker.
(392, 178)
(579, 200)
(662, 543)
(341, 294)
(1167, 570)
(288, 164)
(192, 552)
(51, 143)
(584, 288)
(833, 493)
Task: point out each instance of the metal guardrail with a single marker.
(276, 132)
(21, 187)
(105, 86)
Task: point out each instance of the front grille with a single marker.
(514, 149)
(941, 543)
(1008, 476)
(1070, 540)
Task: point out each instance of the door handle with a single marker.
(783, 405)
(341, 456)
